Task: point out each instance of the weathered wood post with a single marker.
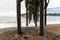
(36, 4)
(45, 12)
(19, 16)
(26, 12)
(46, 5)
(41, 17)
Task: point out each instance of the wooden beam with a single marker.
(19, 16)
(41, 17)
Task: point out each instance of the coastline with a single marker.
(7, 22)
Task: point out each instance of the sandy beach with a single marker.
(51, 32)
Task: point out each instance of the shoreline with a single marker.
(9, 25)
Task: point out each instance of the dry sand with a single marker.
(51, 32)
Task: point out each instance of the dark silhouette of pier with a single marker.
(32, 8)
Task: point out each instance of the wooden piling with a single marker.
(19, 16)
(41, 17)
(45, 12)
(26, 12)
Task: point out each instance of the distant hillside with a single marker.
(53, 14)
(48, 14)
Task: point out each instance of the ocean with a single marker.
(6, 22)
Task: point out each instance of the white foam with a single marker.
(7, 25)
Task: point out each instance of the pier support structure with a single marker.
(41, 15)
(19, 16)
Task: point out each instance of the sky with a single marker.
(54, 3)
(8, 7)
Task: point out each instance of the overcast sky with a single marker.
(9, 6)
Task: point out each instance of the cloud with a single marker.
(10, 5)
(7, 5)
(54, 10)
(54, 3)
